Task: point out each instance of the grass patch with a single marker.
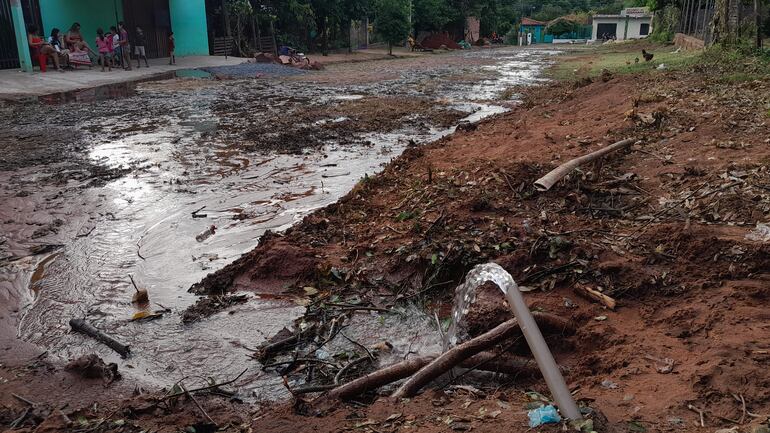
(620, 59)
(738, 77)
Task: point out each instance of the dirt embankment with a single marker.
(660, 227)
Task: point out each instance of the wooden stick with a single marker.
(546, 182)
(80, 325)
(197, 404)
(133, 283)
(596, 295)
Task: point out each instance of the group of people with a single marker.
(113, 48)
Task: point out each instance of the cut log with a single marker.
(456, 355)
(546, 182)
(80, 325)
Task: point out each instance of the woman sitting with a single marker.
(75, 42)
(40, 47)
(79, 49)
(64, 54)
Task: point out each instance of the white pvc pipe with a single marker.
(542, 354)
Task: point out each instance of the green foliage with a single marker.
(392, 22)
(431, 15)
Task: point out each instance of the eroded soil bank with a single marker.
(666, 228)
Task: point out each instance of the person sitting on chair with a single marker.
(74, 40)
(56, 43)
(40, 47)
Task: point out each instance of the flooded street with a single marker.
(97, 190)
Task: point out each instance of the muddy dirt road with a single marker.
(97, 190)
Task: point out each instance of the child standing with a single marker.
(125, 47)
(104, 45)
(139, 41)
(172, 58)
(117, 52)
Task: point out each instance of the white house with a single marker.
(632, 23)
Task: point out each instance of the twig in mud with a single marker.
(434, 223)
(18, 421)
(20, 398)
(596, 295)
(294, 361)
(84, 235)
(195, 213)
(197, 404)
(546, 272)
(743, 406)
(699, 412)
(347, 367)
(368, 352)
(508, 181)
(351, 307)
(205, 388)
(397, 231)
(138, 251)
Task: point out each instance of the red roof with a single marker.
(530, 22)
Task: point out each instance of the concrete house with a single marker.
(631, 23)
(534, 28)
(187, 19)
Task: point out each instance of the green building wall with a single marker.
(91, 14)
(188, 22)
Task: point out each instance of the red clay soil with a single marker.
(436, 41)
(660, 227)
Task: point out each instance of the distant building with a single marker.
(631, 23)
(534, 28)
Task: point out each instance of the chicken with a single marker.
(647, 56)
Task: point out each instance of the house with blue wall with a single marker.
(534, 27)
(157, 18)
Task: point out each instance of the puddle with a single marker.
(173, 139)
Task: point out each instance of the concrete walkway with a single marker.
(15, 84)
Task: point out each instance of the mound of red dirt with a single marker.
(437, 40)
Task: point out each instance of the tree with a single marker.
(392, 22)
(239, 12)
(431, 15)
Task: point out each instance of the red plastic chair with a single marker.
(42, 59)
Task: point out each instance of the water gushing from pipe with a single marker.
(466, 295)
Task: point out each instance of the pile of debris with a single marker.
(440, 41)
(290, 58)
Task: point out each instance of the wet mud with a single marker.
(99, 188)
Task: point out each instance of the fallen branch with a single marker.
(484, 361)
(546, 182)
(460, 353)
(380, 378)
(596, 296)
(80, 325)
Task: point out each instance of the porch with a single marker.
(157, 18)
(18, 85)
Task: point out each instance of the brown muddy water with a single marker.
(100, 188)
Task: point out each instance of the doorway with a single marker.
(154, 17)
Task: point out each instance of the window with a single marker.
(644, 29)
